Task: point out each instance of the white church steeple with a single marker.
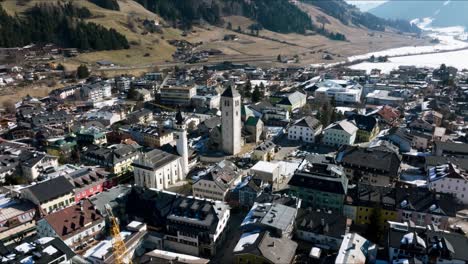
(181, 141)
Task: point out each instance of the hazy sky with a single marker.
(365, 5)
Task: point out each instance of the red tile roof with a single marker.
(74, 219)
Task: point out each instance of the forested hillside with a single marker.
(349, 14)
(61, 24)
(275, 15)
(107, 4)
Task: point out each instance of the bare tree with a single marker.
(9, 106)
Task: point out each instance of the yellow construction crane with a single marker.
(118, 245)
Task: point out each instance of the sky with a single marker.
(366, 5)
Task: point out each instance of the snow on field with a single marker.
(457, 59)
(451, 38)
(448, 37)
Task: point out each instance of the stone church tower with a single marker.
(231, 125)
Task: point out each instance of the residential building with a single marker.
(163, 256)
(87, 181)
(8, 166)
(210, 101)
(387, 115)
(17, 220)
(425, 244)
(401, 138)
(117, 158)
(158, 169)
(320, 184)
(356, 249)
(265, 151)
(292, 101)
(149, 136)
(56, 119)
(382, 97)
(65, 92)
(142, 116)
(103, 252)
(421, 125)
(201, 232)
(279, 219)
(177, 95)
(231, 125)
(62, 148)
(248, 190)
(122, 83)
(345, 93)
(91, 136)
(364, 202)
(323, 229)
(50, 195)
(273, 115)
(216, 183)
(340, 133)
(449, 178)
(305, 130)
(368, 127)
(188, 225)
(450, 149)
(433, 117)
(373, 166)
(263, 247)
(143, 95)
(75, 225)
(96, 91)
(425, 207)
(266, 171)
(47, 250)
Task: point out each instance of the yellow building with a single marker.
(368, 128)
(364, 215)
(362, 205)
(51, 195)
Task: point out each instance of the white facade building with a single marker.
(342, 92)
(305, 130)
(216, 183)
(158, 169)
(340, 133)
(231, 121)
(96, 91)
(449, 179)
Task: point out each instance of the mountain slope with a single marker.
(443, 13)
(351, 15)
(148, 49)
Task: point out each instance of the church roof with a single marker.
(230, 92)
(179, 118)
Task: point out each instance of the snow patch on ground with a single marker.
(451, 38)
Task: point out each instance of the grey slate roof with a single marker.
(157, 158)
(309, 122)
(311, 221)
(387, 162)
(51, 189)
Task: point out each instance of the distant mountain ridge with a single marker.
(444, 13)
(276, 15)
(349, 14)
